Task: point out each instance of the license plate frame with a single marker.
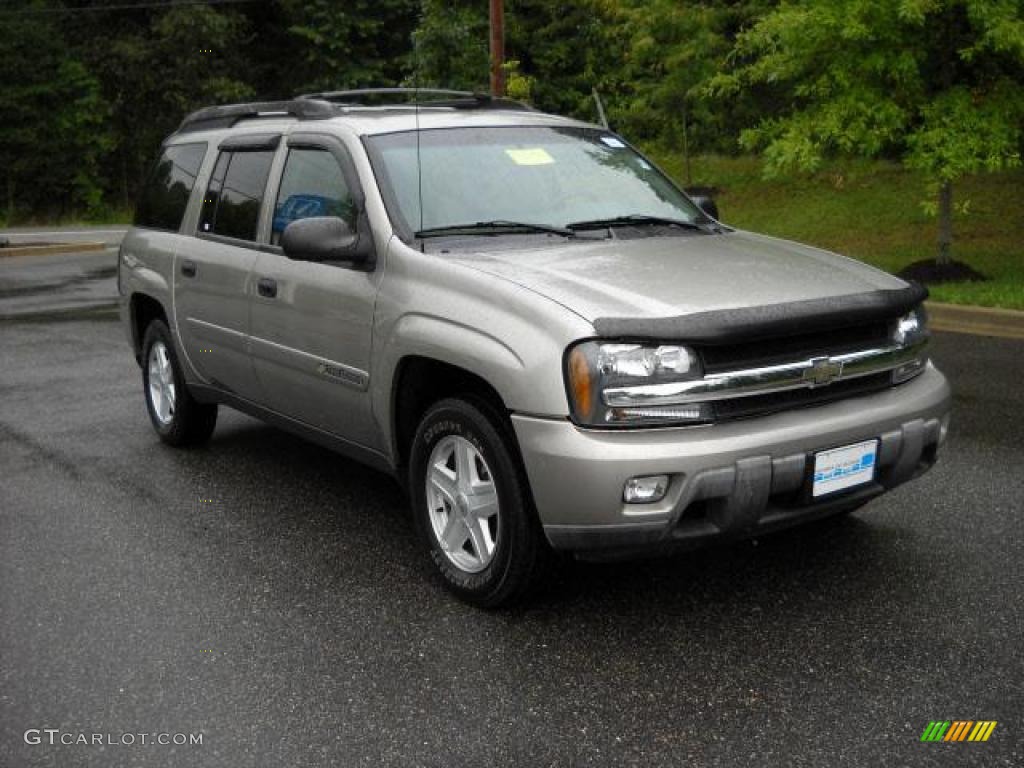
(843, 468)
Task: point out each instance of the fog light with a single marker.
(943, 429)
(645, 490)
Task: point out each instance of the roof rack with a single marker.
(229, 114)
(319, 106)
(451, 99)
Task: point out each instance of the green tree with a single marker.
(154, 67)
(672, 49)
(53, 132)
(937, 83)
(564, 50)
(556, 53)
(450, 46)
(354, 44)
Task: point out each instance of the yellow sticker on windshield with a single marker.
(538, 156)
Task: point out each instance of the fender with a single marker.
(447, 341)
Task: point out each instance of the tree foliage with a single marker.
(91, 91)
(670, 51)
(54, 130)
(352, 44)
(936, 83)
(451, 46)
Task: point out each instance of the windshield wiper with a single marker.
(493, 227)
(634, 219)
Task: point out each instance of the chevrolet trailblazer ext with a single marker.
(523, 320)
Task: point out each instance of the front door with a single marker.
(311, 324)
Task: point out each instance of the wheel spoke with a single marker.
(161, 361)
(464, 465)
(480, 536)
(444, 483)
(454, 534)
(483, 502)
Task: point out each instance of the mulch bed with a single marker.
(928, 272)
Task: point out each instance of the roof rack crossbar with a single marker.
(356, 94)
(355, 98)
(229, 114)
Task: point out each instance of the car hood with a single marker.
(671, 276)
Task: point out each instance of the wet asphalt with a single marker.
(272, 597)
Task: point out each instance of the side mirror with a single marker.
(706, 204)
(321, 238)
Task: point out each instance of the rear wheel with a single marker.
(472, 504)
(178, 418)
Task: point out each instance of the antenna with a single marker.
(600, 108)
(419, 163)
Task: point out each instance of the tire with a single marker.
(178, 418)
(462, 465)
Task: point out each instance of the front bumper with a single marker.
(737, 478)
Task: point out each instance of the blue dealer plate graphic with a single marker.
(842, 468)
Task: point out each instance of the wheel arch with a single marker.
(418, 382)
(143, 309)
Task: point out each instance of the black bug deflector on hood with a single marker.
(727, 326)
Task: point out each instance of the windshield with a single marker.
(542, 175)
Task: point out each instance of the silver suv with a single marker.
(523, 320)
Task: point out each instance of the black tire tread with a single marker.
(193, 422)
(514, 579)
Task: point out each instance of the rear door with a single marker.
(312, 322)
(212, 274)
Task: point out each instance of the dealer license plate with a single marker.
(841, 468)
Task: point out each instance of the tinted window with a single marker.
(231, 206)
(166, 192)
(311, 185)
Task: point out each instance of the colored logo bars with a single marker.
(958, 730)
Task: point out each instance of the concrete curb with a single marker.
(100, 310)
(979, 321)
(50, 249)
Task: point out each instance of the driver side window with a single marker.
(311, 185)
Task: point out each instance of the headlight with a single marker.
(594, 367)
(911, 331)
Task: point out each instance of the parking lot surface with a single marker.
(272, 596)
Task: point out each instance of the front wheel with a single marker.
(472, 505)
(178, 418)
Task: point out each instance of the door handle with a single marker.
(188, 268)
(267, 287)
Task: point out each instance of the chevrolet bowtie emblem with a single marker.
(822, 371)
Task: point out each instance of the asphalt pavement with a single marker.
(39, 284)
(272, 597)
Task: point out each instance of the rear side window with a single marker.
(232, 203)
(169, 186)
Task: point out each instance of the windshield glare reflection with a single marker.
(541, 175)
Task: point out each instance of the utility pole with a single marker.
(497, 48)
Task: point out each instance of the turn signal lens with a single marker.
(580, 384)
